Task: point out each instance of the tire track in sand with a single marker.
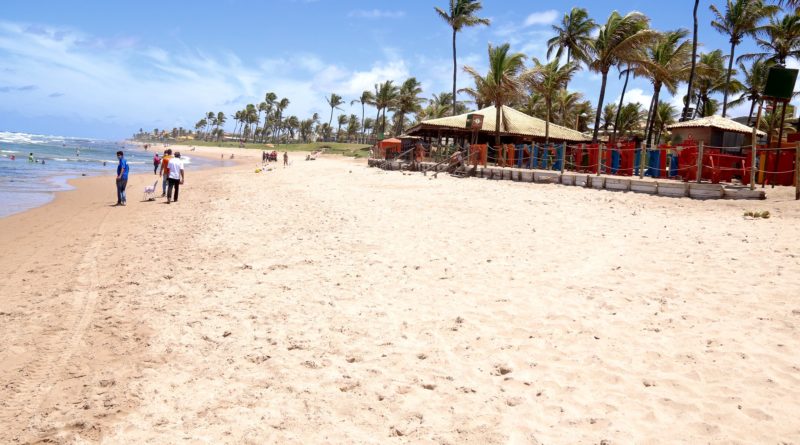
(54, 353)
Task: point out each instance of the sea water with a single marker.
(26, 184)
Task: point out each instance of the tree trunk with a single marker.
(752, 107)
(619, 108)
(455, 69)
(656, 92)
(685, 114)
(363, 133)
(728, 82)
(600, 106)
(498, 107)
(548, 105)
(330, 121)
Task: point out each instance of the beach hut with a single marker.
(515, 127)
(715, 131)
(389, 147)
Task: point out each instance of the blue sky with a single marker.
(104, 69)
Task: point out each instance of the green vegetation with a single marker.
(624, 43)
(342, 148)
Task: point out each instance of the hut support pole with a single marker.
(778, 152)
(642, 155)
(599, 158)
(563, 155)
(797, 172)
(699, 162)
(753, 157)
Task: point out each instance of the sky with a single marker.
(105, 69)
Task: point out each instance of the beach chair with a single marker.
(150, 192)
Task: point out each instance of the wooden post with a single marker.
(599, 158)
(579, 162)
(642, 155)
(753, 158)
(563, 155)
(797, 172)
(699, 161)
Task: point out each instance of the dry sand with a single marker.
(333, 303)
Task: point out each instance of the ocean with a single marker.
(25, 184)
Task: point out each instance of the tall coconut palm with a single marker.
(616, 43)
(502, 83)
(688, 101)
(548, 79)
(665, 62)
(741, 18)
(367, 98)
(779, 40)
(352, 127)
(755, 79)
(566, 102)
(609, 117)
(630, 119)
(220, 120)
(573, 35)
(385, 96)
(461, 14)
(270, 99)
(712, 79)
(280, 107)
(335, 102)
(664, 115)
(341, 120)
(407, 101)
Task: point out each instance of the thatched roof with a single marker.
(512, 122)
(718, 123)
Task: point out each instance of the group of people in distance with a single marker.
(171, 171)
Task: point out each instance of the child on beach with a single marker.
(156, 163)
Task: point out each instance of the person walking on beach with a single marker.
(175, 176)
(122, 179)
(165, 171)
(156, 163)
(285, 158)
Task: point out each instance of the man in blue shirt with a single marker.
(122, 179)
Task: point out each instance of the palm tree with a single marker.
(755, 78)
(369, 124)
(334, 102)
(779, 40)
(630, 119)
(574, 35)
(666, 63)
(616, 43)
(609, 117)
(270, 99)
(220, 120)
(502, 83)
(341, 120)
(306, 129)
(460, 15)
(689, 91)
(385, 96)
(547, 80)
(408, 101)
(279, 109)
(664, 115)
(567, 102)
(292, 124)
(367, 98)
(352, 127)
(711, 79)
(741, 18)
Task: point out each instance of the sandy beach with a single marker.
(333, 303)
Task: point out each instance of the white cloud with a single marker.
(637, 95)
(541, 18)
(131, 85)
(376, 14)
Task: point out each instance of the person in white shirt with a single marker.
(175, 167)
